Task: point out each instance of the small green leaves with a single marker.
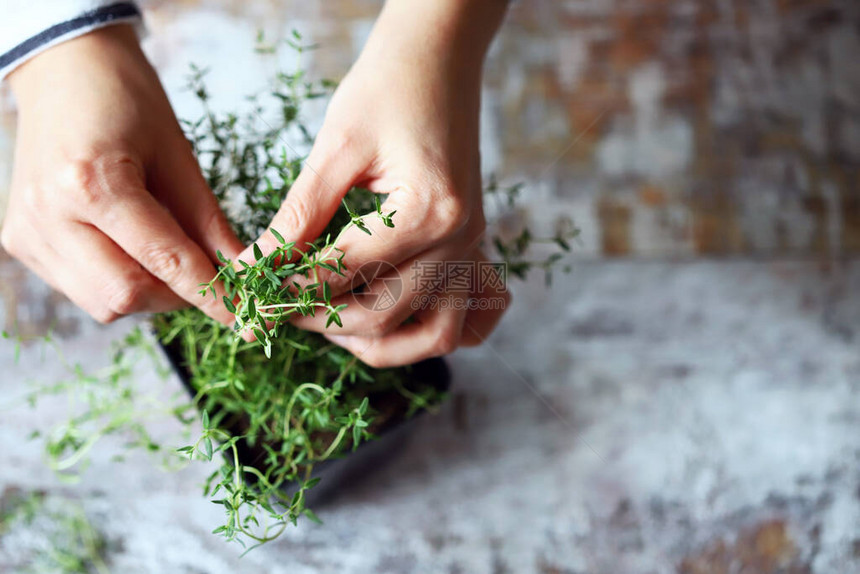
(312, 516)
(329, 267)
(229, 304)
(186, 450)
(385, 218)
(273, 279)
(278, 236)
(333, 317)
(358, 222)
(264, 294)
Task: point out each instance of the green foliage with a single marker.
(56, 534)
(273, 408)
(516, 249)
(264, 294)
(303, 400)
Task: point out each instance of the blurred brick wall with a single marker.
(666, 127)
(708, 127)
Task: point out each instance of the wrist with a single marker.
(455, 34)
(91, 51)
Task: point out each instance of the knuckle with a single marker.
(81, 178)
(125, 297)
(90, 178)
(9, 240)
(163, 262)
(292, 215)
(33, 200)
(215, 223)
(451, 213)
(336, 142)
(381, 326)
(347, 279)
(78, 173)
(104, 316)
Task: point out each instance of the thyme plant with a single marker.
(274, 408)
(47, 534)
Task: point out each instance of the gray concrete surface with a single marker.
(638, 418)
(642, 417)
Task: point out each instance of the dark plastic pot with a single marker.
(353, 467)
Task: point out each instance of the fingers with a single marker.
(180, 186)
(103, 280)
(142, 227)
(423, 220)
(492, 301)
(388, 298)
(329, 172)
(92, 271)
(443, 321)
(428, 280)
(101, 147)
(434, 333)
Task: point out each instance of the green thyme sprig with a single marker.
(264, 294)
(300, 402)
(517, 250)
(56, 535)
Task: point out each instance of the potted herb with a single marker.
(286, 415)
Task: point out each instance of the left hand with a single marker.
(404, 122)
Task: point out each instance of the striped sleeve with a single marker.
(29, 27)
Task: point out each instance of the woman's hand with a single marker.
(108, 204)
(404, 122)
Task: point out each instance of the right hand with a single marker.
(107, 202)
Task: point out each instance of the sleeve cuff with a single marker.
(109, 14)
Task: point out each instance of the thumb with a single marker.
(326, 177)
(187, 196)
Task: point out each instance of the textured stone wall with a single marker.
(666, 127)
(708, 127)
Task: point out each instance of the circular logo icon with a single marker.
(377, 285)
